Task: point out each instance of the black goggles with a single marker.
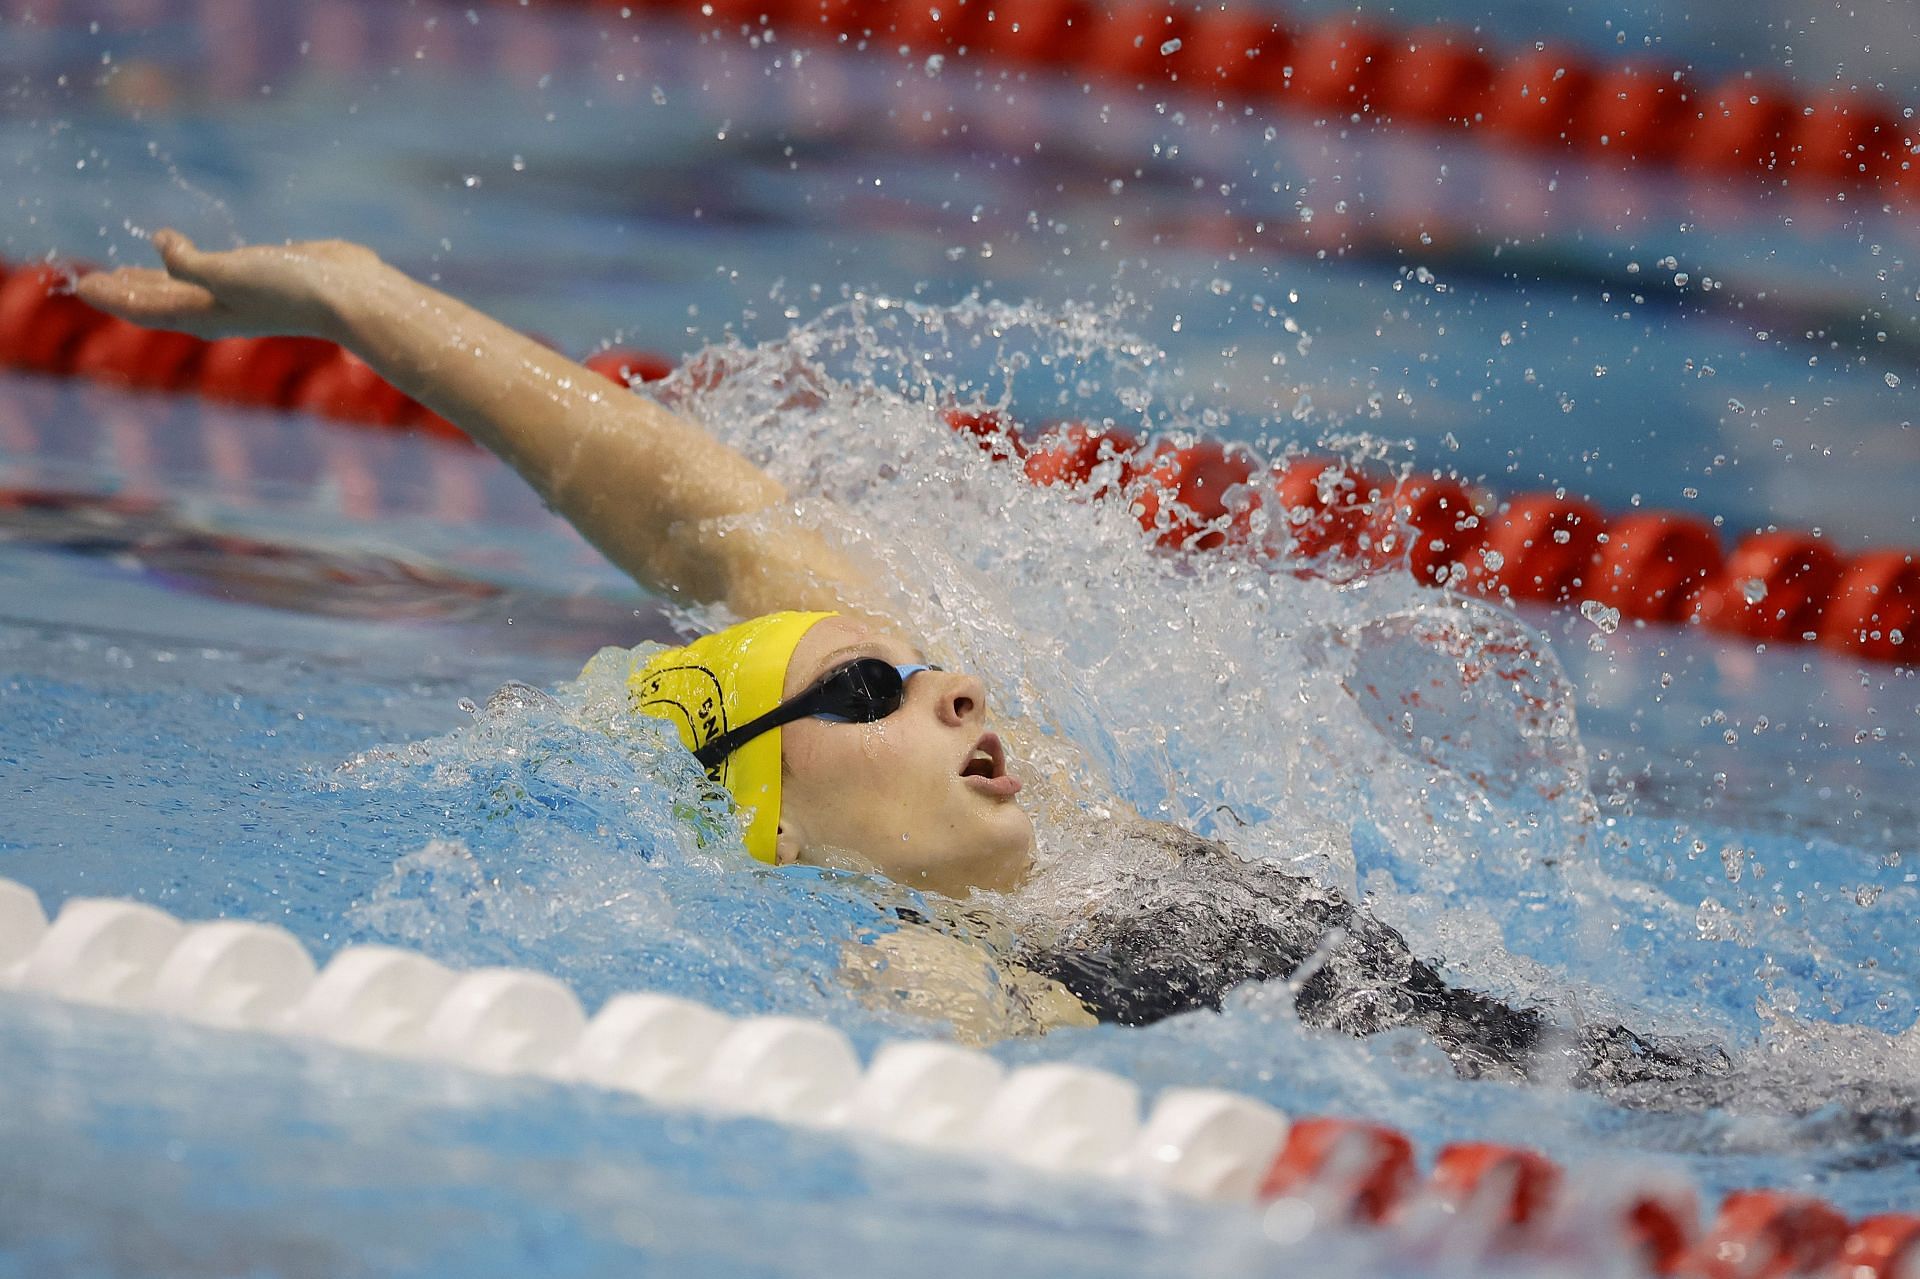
(862, 691)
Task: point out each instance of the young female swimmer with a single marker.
(826, 723)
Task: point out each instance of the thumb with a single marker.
(182, 259)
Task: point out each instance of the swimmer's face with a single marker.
(895, 792)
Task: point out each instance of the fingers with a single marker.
(146, 297)
(183, 260)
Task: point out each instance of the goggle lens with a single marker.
(863, 691)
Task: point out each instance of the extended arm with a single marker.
(658, 495)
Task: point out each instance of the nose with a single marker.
(962, 697)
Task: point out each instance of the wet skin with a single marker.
(922, 796)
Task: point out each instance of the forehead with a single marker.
(835, 640)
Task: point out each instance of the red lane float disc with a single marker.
(1537, 96)
(1741, 127)
(1128, 44)
(1540, 546)
(626, 366)
(1183, 499)
(1845, 138)
(1070, 454)
(1774, 586)
(1339, 69)
(1874, 609)
(41, 321)
(1655, 564)
(1439, 78)
(148, 359)
(1361, 1171)
(1882, 1247)
(1327, 505)
(344, 386)
(1637, 112)
(260, 371)
(1518, 1186)
(1764, 1234)
(992, 430)
(1042, 32)
(1444, 525)
(1232, 51)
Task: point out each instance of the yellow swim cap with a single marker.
(719, 682)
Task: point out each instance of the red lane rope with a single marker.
(1550, 548)
(1343, 69)
(1353, 70)
(1362, 1175)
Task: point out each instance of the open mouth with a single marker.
(988, 759)
(986, 763)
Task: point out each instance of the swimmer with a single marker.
(840, 742)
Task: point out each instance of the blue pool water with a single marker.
(250, 659)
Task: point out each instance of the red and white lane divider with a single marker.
(1550, 548)
(1654, 566)
(1352, 69)
(1345, 68)
(1052, 1118)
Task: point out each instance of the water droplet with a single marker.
(1170, 48)
(1607, 619)
(1752, 590)
(1893, 379)
(1734, 858)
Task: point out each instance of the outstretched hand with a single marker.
(262, 290)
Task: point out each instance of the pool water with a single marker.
(252, 659)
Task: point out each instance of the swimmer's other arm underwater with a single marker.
(840, 743)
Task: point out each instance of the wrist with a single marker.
(349, 299)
